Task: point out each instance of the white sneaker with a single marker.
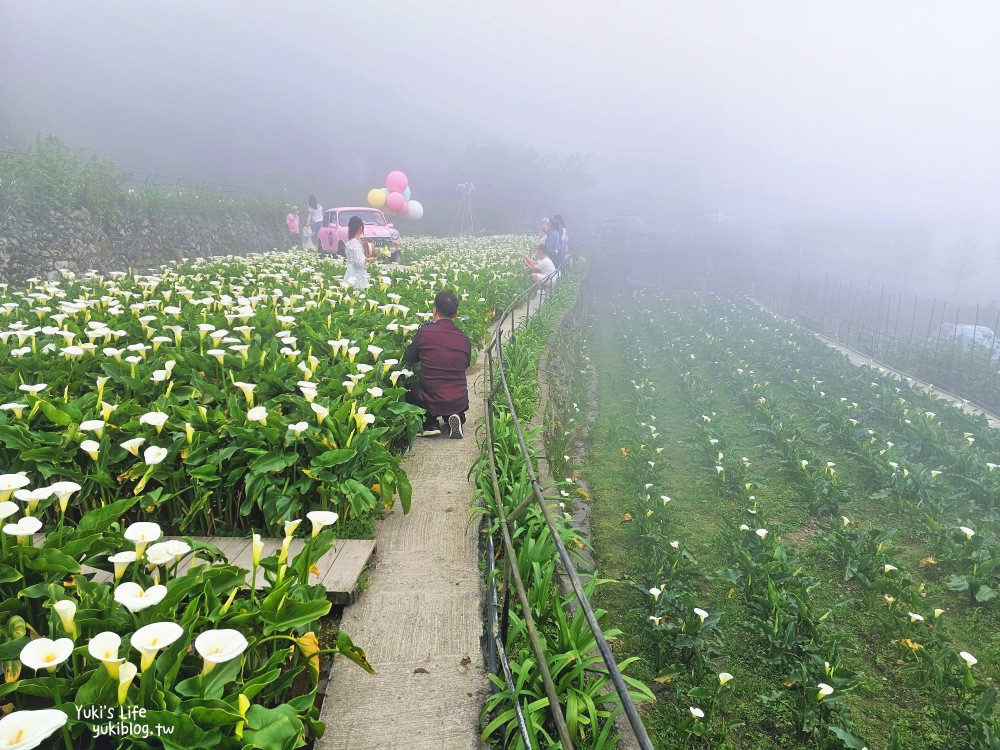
(455, 425)
(429, 433)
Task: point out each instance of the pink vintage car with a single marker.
(378, 231)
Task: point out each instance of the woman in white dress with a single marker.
(354, 251)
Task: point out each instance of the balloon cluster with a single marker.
(396, 197)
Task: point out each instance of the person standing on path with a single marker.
(444, 353)
(560, 224)
(543, 233)
(356, 274)
(315, 215)
(553, 244)
(292, 222)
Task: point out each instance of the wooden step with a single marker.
(339, 570)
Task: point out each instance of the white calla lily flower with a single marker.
(320, 519)
(104, 648)
(219, 646)
(150, 639)
(27, 729)
(135, 598)
(44, 653)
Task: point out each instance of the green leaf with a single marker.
(333, 458)
(272, 728)
(16, 438)
(12, 649)
(346, 647)
(211, 713)
(47, 560)
(985, 593)
(294, 615)
(81, 543)
(259, 682)
(61, 414)
(958, 583)
(177, 731)
(405, 492)
(849, 740)
(213, 684)
(9, 574)
(274, 462)
(98, 519)
(99, 690)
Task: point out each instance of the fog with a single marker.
(855, 114)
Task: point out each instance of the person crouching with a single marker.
(444, 353)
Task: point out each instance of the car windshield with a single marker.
(368, 217)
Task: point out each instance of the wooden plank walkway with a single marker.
(339, 570)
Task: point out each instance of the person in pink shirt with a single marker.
(292, 220)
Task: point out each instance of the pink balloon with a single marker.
(396, 202)
(396, 182)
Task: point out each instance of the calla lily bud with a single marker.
(126, 673)
(258, 549)
(66, 609)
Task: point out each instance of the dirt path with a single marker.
(420, 617)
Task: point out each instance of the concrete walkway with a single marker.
(858, 358)
(420, 618)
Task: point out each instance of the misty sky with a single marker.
(770, 111)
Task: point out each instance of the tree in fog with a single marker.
(515, 181)
(965, 261)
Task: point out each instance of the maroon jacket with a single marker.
(444, 353)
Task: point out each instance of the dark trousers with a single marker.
(293, 238)
(430, 419)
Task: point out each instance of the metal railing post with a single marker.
(529, 620)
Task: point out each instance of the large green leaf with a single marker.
(100, 518)
(985, 593)
(405, 491)
(333, 458)
(9, 574)
(177, 731)
(273, 728)
(98, 690)
(16, 438)
(213, 684)
(958, 583)
(48, 560)
(294, 615)
(274, 462)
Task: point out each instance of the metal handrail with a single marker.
(495, 367)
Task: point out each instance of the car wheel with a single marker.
(341, 248)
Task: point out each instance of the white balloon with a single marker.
(416, 210)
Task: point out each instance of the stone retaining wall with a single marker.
(34, 246)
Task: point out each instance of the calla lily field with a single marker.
(805, 551)
(786, 550)
(221, 396)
